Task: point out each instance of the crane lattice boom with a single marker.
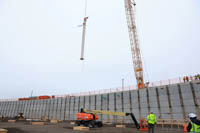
(135, 49)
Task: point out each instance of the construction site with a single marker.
(123, 109)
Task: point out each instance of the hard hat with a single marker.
(192, 115)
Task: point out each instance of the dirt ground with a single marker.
(65, 127)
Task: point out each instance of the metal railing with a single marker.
(117, 89)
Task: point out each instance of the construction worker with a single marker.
(151, 121)
(194, 124)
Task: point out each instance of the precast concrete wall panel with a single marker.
(55, 105)
(175, 102)
(67, 108)
(71, 108)
(153, 103)
(104, 106)
(82, 102)
(98, 105)
(93, 102)
(62, 114)
(7, 112)
(51, 108)
(126, 106)
(47, 110)
(25, 108)
(87, 102)
(143, 102)
(40, 109)
(59, 105)
(164, 104)
(112, 106)
(187, 98)
(76, 107)
(135, 103)
(118, 98)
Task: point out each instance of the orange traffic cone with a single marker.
(185, 127)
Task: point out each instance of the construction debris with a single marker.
(11, 121)
(121, 126)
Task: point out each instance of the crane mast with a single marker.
(135, 49)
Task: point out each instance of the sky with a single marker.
(40, 44)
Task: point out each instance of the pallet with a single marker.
(11, 121)
(81, 128)
(54, 121)
(121, 126)
(3, 130)
(37, 123)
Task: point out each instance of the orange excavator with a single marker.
(89, 118)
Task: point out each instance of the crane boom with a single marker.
(135, 49)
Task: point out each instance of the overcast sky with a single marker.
(40, 44)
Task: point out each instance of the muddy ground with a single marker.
(65, 127)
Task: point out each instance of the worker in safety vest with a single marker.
(194, 124)
(151, 121)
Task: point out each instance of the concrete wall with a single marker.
(167, 102)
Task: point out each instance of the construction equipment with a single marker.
(19, 116)
(89, 117)
(134, 42)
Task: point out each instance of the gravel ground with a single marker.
(65, 127)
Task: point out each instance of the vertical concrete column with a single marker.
(148, 101)
(139, 105)
(68, 108)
